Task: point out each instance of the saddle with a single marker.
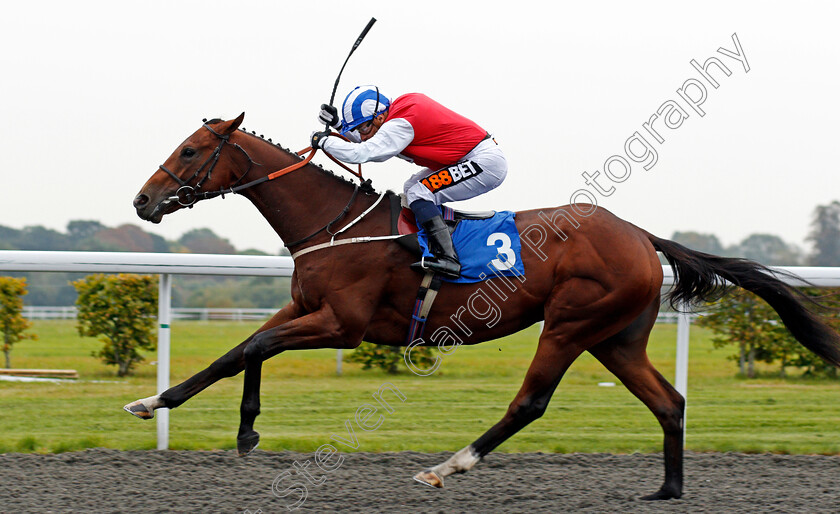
(403, 222)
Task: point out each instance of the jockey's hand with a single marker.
(317, 138)
(329, 116)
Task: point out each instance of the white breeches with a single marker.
(481, 170)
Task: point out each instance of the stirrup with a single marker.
(445, 267)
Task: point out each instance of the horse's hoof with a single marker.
(429, 478)
(137, 408)
(665, 493)
(248, 443)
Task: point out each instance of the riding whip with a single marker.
(355, 46)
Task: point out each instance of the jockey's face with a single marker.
(368, 129)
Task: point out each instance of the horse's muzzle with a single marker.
(147, 211)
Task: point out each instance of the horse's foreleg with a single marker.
(550, 363)
(248, 439)
(228, 365)
(320, 329)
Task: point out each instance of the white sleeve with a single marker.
(391, 139)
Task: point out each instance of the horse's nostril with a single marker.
(140, 201)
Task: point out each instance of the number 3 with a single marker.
(510, 257)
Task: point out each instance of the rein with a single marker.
(187, 195)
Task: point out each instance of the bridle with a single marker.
(188, 195)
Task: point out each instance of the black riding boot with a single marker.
(445, 259)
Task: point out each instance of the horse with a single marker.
(593, 279)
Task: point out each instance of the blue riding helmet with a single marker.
(362, 105)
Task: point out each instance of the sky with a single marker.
(96, 94)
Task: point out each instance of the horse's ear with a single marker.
(228, 127)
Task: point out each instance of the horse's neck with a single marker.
(298, 203)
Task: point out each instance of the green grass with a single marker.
(304, 403)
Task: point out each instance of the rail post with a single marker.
(164, 319)
(681, 378)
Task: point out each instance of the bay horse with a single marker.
(593, 278)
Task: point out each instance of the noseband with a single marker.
(187, 195)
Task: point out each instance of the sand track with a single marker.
(103, 480)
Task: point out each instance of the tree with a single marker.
(51, 288)
(12, 322)
(203, 240)
(741, 318)
(767, 249)
(707, 243)
(131, 238)
(85, 236)
(83, 229)
(830, 300)
(825, 235)
(40, 238)
(252, 251)
(9, 238)
(121, 310)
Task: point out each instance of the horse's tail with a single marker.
(700, 276)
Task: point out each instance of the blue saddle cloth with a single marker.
(485, 247)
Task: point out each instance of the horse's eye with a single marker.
(187, 152)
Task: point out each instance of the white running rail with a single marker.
(164, 264)
(168, 264)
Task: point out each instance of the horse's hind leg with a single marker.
(624, 355)
(551, 361)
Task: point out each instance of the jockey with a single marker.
(460, 159)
